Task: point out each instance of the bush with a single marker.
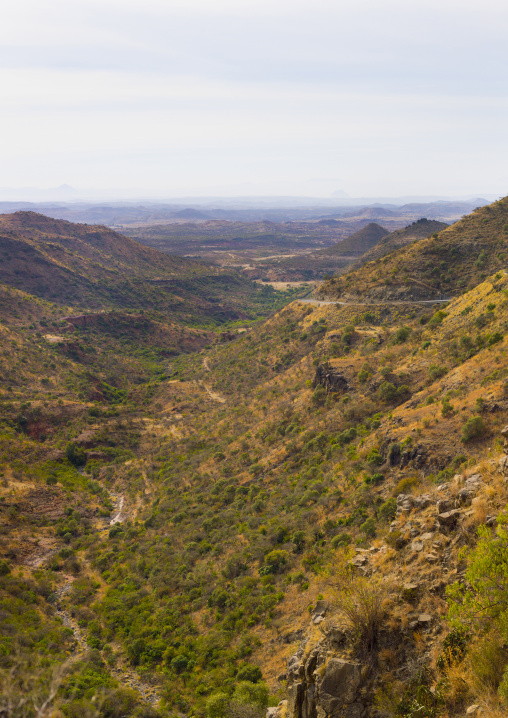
(436, 371)
(249, 673)
(217, 705)
(247, 693)
(75, 455)
(388, 509)
(369, 527)
(401, 335)
(362, 605)
(341, 540)
(474, 428)
(274, 561)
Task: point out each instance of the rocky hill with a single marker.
(394, 240)
(359, 242)
(306, 516)
(444, 264)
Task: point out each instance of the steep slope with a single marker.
(417, 230)
(93, 267)
(358, 242)
(443, 264)
(283, 517)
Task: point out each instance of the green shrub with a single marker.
(217, 705)
(447, 409)
(249, 673)
(388, 509)
(401, 335)
(369, 527)
(343, 539)
(437, 318)
(474, 428)
(275, 561)
(436, 371)
(75, 454)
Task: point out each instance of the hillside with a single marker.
(307, 513)
(359, 242)
(93, 267)
(442, 265)
(394, 240)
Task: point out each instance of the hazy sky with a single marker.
(168, 97)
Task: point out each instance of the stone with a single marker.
(474, 481)
(421, 502)
(475, 708)
(320, 609)
(409, 591)
(448, 519)
(444, 505)
(330, 380)
(464, 497)
(431, 557)
(503, 465)
(358, 561)
(417, 546)
(338, 685)
(425, 618)
(427, 536)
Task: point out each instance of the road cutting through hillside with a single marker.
(319, 302)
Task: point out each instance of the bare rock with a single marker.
(448, 519)
(329, 379)
(503, 465)
(421, 502)
(475, 708)
(320, 610)
(337, 690)
(444, 505)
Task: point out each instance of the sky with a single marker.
(170, 98)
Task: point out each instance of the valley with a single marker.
(219, 499)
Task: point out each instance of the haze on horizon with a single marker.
(251, 97)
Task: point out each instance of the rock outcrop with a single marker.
(329, 379)
(321, 686)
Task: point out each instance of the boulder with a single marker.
(337, 690)
(444, 505)
(425, 619)
(329, 379)
(448, 519)
(421, 502)
(320, 610)
(503, 465)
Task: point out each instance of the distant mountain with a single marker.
(190, 213)
(372, 213)
(357, 243)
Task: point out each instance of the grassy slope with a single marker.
(359, 242)
(95, 268)
(456, 258)
(228, 456)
